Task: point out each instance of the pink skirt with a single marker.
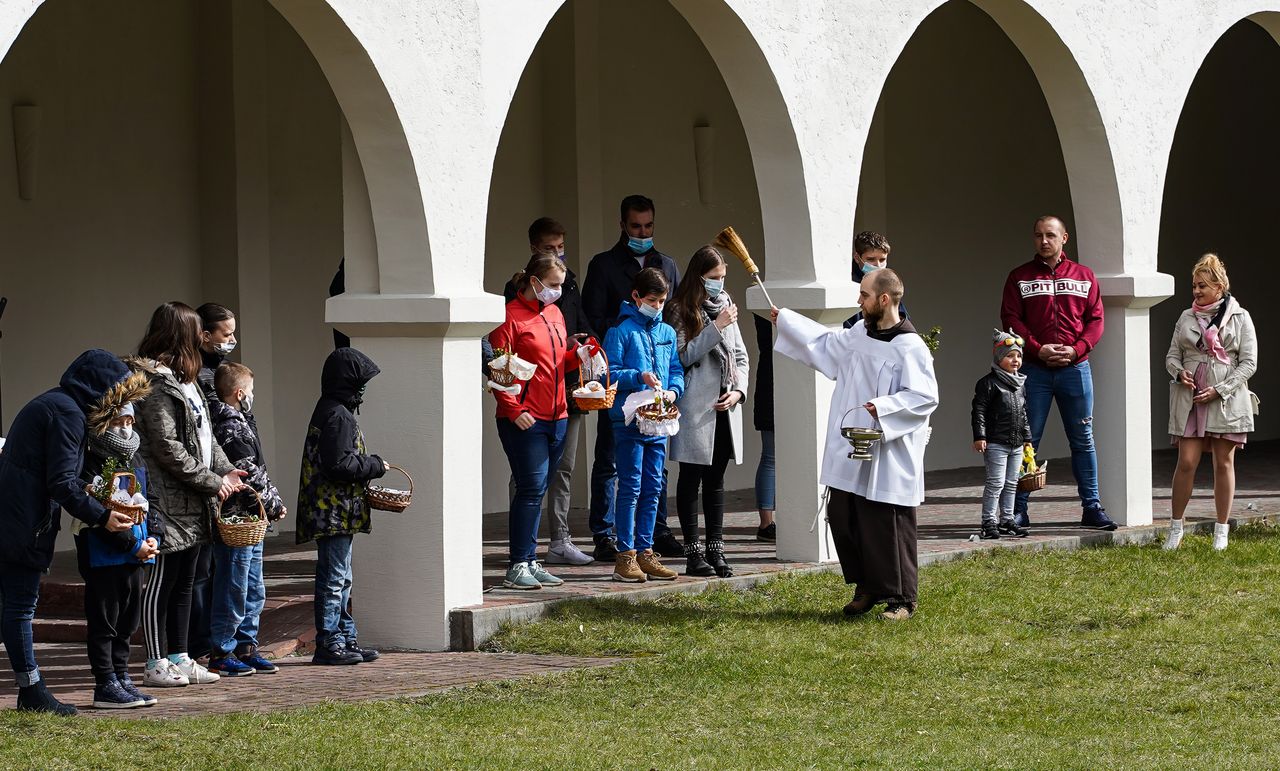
(1199, 416)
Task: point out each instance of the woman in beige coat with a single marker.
(1213, 354)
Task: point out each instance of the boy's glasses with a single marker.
(1009, 342)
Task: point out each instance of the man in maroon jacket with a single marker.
(1055, 305)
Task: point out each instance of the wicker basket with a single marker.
(1035, 480)
(240, 534)
(136, 513)
(503, 377)
(386, 499)
(658, 419)
(610, 390)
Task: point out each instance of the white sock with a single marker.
(1175, 526)
(1221, 528)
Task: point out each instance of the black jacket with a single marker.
(1000, 412)
(762, 410)
(43, 457)
(608, 283)
(209, 363)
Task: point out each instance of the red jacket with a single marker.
(537, 334)
(1062, 306)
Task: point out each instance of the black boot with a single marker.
(990, 531)
(695, 565)
(36, 698)
(715, 557)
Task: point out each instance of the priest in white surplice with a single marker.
(881, 366)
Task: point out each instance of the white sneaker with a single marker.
(565, 553)
(1220, 535)
(164, 675)
(1175, 535)
(195, 673)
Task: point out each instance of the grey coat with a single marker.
(1233, 412)
(695, 443)
(180, 489)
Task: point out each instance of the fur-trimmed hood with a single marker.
(133, 388)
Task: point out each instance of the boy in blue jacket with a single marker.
(642, 354)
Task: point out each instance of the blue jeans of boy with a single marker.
(19, 591)
(1003, 464)
(334, 623)
(604, 483)
(766, 474)
(239, 594)
(640, 460)
(533, 453)
(1072, 388)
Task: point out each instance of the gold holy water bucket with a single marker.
(861, 439)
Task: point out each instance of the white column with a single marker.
(422, 413)
(1122, 370)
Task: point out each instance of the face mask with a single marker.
(868, 267)
(246, 403)
(547, 294)
(123, 432)
(640, 245)
(649, 311)
(225, 348)
(714, 286)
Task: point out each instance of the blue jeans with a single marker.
(19, 591)
(334, 623)
(1072, 388)
(766, 474)
(1003, 464)
(239, 594)
(533, 454)
(604, 480)
(641, 460)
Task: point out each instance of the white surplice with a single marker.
(897, 377)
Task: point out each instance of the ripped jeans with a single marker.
(1072, 388)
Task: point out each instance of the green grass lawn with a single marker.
(1125, 656)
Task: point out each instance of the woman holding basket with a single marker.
(533, 414)
(1213, 354)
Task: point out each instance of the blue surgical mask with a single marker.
(714, 286)
(649, 311)
(868, 267)
(640, 245)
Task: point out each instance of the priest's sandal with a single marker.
(990, 531)
(715, 557)
(694, 563)
(654, 569)
(860, 604)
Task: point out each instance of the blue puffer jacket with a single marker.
(639, 344)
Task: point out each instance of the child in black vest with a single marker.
(1000, 431)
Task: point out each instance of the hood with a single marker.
(91, 376)
(628, 310)
(127, 392)
(345, 372)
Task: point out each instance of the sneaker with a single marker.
(110, 695)
(715, 558)
(36, 698)
(366, 654)
(1220, 535)
(253, 658)
(196, 674)
(542, 576)
(230, 666)
(1097, 520)
(163, 674)
(898, 611)
(519, 577)
(335, 654)
(666, 545)
(694, 563)
(1021, 519)
(648, 562)
(1012, 529)
(1175, 535)
(625, 568)
(565, 553)
(606, 550)
(127, 683)
(990, 531)
(768, 533)
(860, 604)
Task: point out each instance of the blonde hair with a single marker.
(1214, 270)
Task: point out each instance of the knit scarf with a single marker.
(1016, 380)
(109, 445)
(711, 308)
(1210, 318)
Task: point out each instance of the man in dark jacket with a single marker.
(331, 500)
(40, 475)
(608, 284)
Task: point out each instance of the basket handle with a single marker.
(262, 510)
(582, 371)
(402, 471)
(133, 481)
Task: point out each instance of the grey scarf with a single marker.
(109, 445)
(721, 353)
(1016, 381)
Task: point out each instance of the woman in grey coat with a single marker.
(716, 371)
(1213, 354)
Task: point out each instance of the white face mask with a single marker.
(246, 403)
(124, 432)
(548, 294)
(224, 348)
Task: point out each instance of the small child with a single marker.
(1000, 431)
(331, 503)
(111, 563)
(239, 592)
(642, 354)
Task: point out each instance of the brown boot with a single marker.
(861, 603)
(652, 568)
(626, 569)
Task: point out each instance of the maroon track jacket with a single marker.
(1062, 306)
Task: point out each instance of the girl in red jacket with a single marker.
(531, 423)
